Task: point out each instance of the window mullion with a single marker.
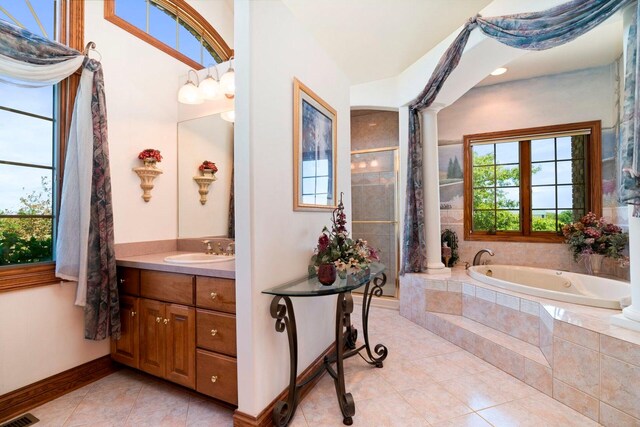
(525, 187)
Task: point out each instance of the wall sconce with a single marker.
(147, 174)
(189, 93)
(203, 186)
(229, 116)
(228, 81)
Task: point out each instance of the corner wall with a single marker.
(274, 243)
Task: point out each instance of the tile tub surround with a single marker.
(569, 352)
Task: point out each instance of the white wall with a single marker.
(274, 242)
(41, 331)
(205, 138)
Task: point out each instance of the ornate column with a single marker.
(431, 186)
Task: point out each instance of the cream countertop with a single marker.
(225, 269)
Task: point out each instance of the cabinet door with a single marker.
(181, 345)
(128, 281)
(216, 293)
(126, 349)
(152, 337)
(216, 331)
(217, 376)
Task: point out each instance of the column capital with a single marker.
(433, 108)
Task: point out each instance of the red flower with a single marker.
(208, 165)
(323, 242)
(150, 153)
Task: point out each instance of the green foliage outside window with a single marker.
(28, 240)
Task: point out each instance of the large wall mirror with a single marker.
(205, 138)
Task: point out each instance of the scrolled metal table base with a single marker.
(346, 337)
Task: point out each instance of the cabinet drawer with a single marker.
(216, 331)
(217, 376)
(216, 294)
(170, 287)
(129, 281)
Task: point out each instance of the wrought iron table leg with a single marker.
(286, 320)
(343, 310)
(369, 292)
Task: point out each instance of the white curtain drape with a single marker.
(73, 225)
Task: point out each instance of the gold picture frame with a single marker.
(314, 151)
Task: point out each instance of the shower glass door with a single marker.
(374, 201)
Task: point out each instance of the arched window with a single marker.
(173, 27)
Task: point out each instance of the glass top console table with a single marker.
(346, 335)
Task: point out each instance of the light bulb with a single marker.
(210, 88)
(362, 164)
(228, 83)
(229, 116)
(374, 163)
(189, 94)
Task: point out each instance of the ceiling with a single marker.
(377, 39)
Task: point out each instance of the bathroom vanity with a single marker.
(178, 323)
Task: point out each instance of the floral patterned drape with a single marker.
(84, 246)
(532, 31)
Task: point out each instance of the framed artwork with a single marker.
(314, 151)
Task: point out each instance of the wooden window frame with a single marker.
(186, 13)
(593, 174)
(71, 33)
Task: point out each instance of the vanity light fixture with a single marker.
(210, 87)
(189, 92)
(229, 116)
(228, 81)
(498, 71)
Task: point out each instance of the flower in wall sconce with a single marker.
(149, 171)
(208, 167)
(150, 156)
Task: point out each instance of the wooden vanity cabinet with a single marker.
(181, 328)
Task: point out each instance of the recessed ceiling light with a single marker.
(498, 71)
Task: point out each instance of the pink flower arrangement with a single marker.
(591, 235)
(209, 166)
(150, 153)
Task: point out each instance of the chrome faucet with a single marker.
(477, 258)
(209, 249)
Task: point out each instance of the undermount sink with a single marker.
(198, 258)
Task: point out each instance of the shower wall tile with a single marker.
(530, 307)
(469, 289)
(443, 302)
(508, 301)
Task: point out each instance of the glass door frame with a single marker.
(395, 150)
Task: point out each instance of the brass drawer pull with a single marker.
(214, 332)
(166, 321)
(133, 313)
(158, 319)
(213, 295)
(214, 378)
(121, 281)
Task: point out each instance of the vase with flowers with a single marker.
(150, 157)
(592, 240)
(208, 168)
(337, 253)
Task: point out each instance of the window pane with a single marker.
(508, 198)
(483, 154)
(484, 220)
(31, 100)
(484, 176)
(543, 197)
(508, 220)
(309, 186)
(570, 197)
(567, 217)
(484, 198)
(25, 191)
(508, 176)
(162, 25)
(133, 11)
(565, 172)
(563, 145)
(189, 44)
(543, 173)
(25, 139)
(507, 152)
(44, 9)
(542, 149)
(25, 240)
(210, 55)
(543, 220)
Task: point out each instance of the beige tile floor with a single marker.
(426, 381)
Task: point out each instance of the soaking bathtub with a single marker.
(553, 284)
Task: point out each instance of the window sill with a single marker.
(13, 278)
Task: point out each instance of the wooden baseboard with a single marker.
(240, 419)
(28, 397)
